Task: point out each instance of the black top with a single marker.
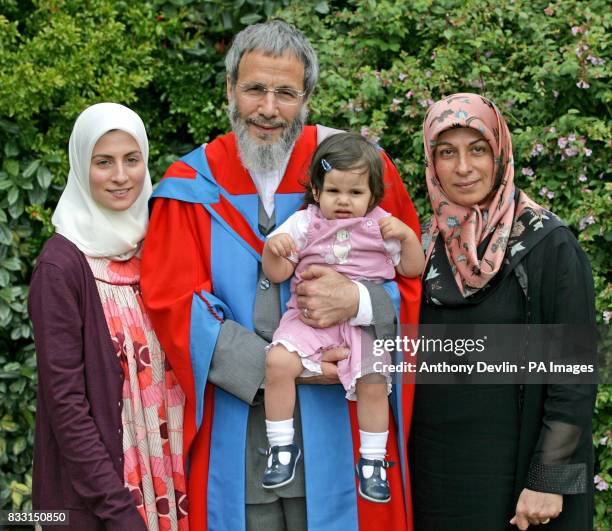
(475, 447)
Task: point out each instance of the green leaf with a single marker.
(228, 23)
(6, 236)
(12, 367)
(5, 278)
(197, 52)
(32, 167)
(12, 264)
(7, 295)
(37, 196)
(9, 127)
(12, 167)
(322, 7)
(16, 499)
(12, 196)
(25, 331)
(19, 446)
(251, 18)
(20, 487)
(268, 8)
(569, 68)
(28, 372)
(17, 387)
(16, 210)
(8, 425)
(11, 149)
(16, 306)
(44, 177)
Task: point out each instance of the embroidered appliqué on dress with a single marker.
(341, 247)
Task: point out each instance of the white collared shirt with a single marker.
(267, 183)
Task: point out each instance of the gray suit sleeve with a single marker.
(238, 363)
(385, 323)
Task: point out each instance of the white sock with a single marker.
(280, 432)
(373, 445)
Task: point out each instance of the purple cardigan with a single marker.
(78, 454)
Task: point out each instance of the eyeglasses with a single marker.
(284, 95)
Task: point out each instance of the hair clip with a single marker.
(326, 165)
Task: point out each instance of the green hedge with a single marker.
(545, 64)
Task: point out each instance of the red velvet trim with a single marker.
(228, 171)
(180, 170)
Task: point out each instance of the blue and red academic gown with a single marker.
(200, 265)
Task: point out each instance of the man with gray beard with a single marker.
(215, 312)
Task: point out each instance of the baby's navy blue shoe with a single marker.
(374, 488)
(278, 474)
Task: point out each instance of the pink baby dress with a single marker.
(355, 248)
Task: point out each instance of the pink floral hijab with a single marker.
(475, 238)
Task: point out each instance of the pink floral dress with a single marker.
(153, 402)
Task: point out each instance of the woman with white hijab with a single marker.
(109, 423)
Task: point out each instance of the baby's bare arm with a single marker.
(275, 260)
(412, 259)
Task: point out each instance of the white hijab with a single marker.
(94, 229)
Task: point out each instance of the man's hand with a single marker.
(282, 245)
(328, 367)
(536, 508)
(393, 228)
(326, 297)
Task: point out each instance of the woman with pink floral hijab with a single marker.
(109, 422)
(497, 457)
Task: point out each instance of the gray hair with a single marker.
(274, 38)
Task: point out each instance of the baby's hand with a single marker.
(393, 228)
(282, 245)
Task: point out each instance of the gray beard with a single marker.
(263, 158)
